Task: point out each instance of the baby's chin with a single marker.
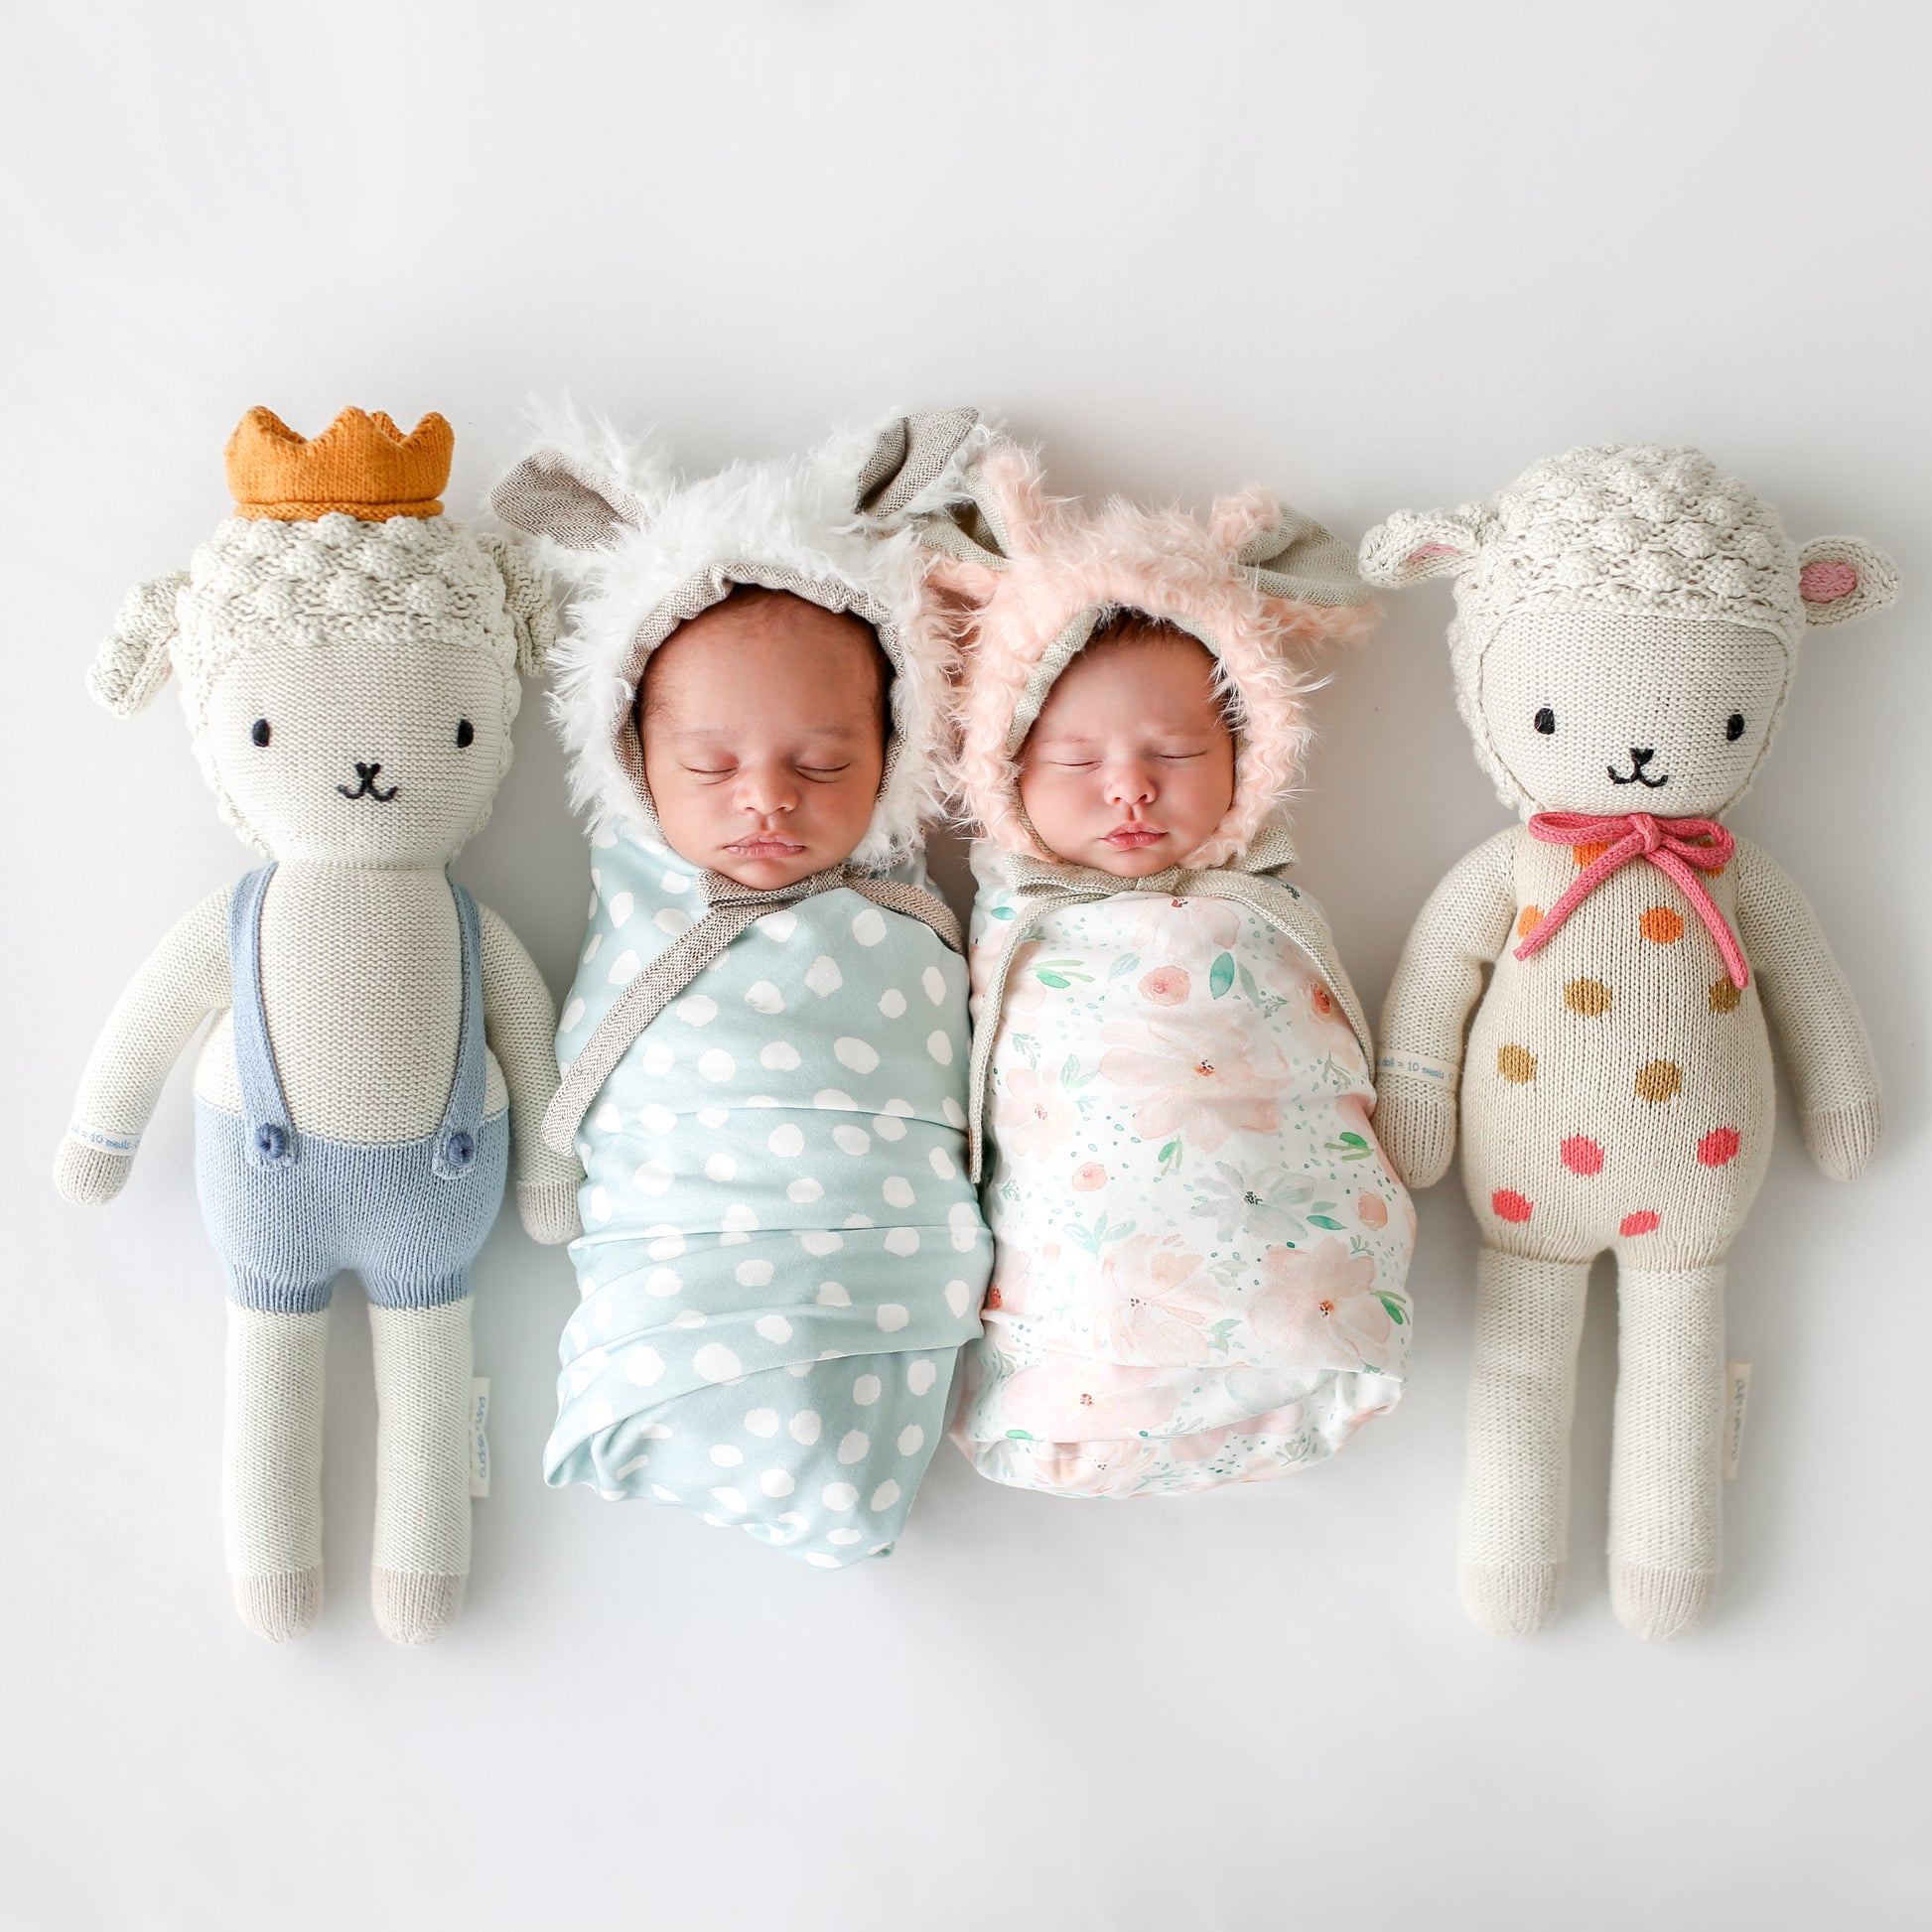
(770, 871)
(1134, 862)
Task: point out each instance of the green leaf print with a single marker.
(1248, 985)
(1170, 1154)
(1059, 972)
(1070, 1075)
(1123, 965)
(999, 911)
(1324, 1221)
(1220, 976)
(1354, 1140)
(1020, 1436)
(1351, 1146)
(1396, 1314)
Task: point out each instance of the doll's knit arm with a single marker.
(183, 981)
(1826, 1050)
(1459, 933)
(521, 1023)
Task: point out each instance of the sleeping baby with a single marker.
(1199, 1249)
(765, 1054)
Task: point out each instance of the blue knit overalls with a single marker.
(290, 1211)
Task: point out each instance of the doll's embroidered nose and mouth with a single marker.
(1638, 776)
(366, 786)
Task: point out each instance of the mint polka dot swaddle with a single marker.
(782, 1253)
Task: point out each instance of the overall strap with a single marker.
(455, 1153)
(729, 910)
(270, 1139)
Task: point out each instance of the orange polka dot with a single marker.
(1659, 1080)
(1587, 855)
(1724, 995)
(1516, 1063)
(1530, 919)
(1643, 1221)
(1661, 926)
(1590, 998)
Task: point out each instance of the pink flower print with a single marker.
(1372, 1211)
(1204, 1080)
(1165, 986)
(1091, 1469)
(1187, 933)
(1318, 1307)
(1013, 1279)
(1070, 1399)
(1088, 1178)
(1155, 1303)
(1032, 1116)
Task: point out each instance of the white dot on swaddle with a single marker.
(761, 1100)
(935, 982)
(857, 1222)
(731, 1500)
(912, 1440)
(607, 1120)
(675, 881)
(787, 1142)
(657, 1057)
(852, 1140)
(852, 1449)
(867, 1389)
(780, 1055)
(689, 1318)
(664, 1280)
(964, 1221)
(832, 1295)
(602, 1317)
(667, 919)
(941, 1163)
(716, 1363)
(575, 1330)
(777, 925)
(623, 968)
(763, 997)
(805, 1427)
(838, 1496)
(773, 1327)
(958, 1295)
(892, 1316)
(823, 976)
(889, 1127)
(622, 908)
(844, 1536)
(902, 1241)
(886, 1495)
(819, 1560)
(762, 1422)
(652, 1177)
(713, 1117)
(727, 1455)
(571, 1012)
(835, 1098)
(600, 1204)
(717, 1064)
(664, 1496)
(798, 1369)
(590, 951)
(804, 1191)
(940, 1044)
(667, 1242)
(956, 1114)
(697, 1011)
(656, 1432)
(643, 1366)
(778, 1483)
(891, 1003)
(897, 1189)
(869, 926)
(814, 1241)
(720, 1166)
(741, 1215)
(758, 1274)
(859, 1055)
(921, 1375)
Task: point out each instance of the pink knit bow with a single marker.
(1671, 845)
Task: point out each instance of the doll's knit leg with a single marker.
(1516, 1495)
(271, 1467)
(421, 1467)
(1666, 1459)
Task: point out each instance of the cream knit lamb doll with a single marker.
(349, 663)
(1628, 625)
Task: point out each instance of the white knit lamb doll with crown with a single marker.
(1628, 625)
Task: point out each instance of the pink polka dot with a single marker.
(1719, 1147)
(1509, 1205)
(1581, 1154)
(1642, 1222)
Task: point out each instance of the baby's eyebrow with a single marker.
(732, 731)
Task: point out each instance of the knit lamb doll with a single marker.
(782, 1253)
(1199, 1251)
(1627, 626)
(349, 663)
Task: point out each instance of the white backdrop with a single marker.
(1375, 255)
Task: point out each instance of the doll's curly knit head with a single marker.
(1627, 624)
(348, 659)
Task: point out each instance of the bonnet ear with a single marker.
(1843, 579)
(531, 612)
(133, 664)
(574, 502)
(1002, 517)
(912, 456)
(1415, 544)
(1291, 555)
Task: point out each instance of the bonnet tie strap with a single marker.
(1047, 887)
(1673, 845)
(729, 910)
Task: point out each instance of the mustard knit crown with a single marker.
(362, 466)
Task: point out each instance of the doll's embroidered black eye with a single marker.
(1546, 721)
(466, 734)
(1734, 726)
(258, 732)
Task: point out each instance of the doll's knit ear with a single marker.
(132, 666)
(1843, 579)
(912, 456)
(1291, 555)
(1414, 544)
(527, 602)
(566, 496)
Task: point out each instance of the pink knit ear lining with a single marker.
(1828, 581)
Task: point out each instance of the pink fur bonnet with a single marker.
(1255, 583)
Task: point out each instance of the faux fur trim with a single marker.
(1063, 565)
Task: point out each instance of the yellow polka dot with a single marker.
(1660, 1081)
(1663, 926)
(1531, 918)
(1590, 998)
(1516, 1063)
(1724, 996)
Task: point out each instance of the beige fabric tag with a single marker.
(1738, 1393)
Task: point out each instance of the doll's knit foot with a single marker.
(1512, 1600)
(279, 1605)
(1658, 1605)
(413, 1606)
